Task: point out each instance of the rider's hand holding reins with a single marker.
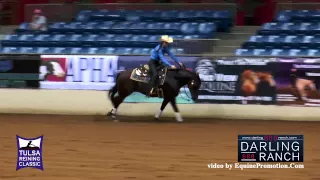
(173, 67)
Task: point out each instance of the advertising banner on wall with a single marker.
(90, 72)
(237, 81)
(78, 72)
(19, 71)
(298, 82)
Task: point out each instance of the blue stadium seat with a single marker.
(169, 16)
(262, 52)
(314, 52)
(10, 50)
(122, 40)
(243, 52)
(280, 52)
(23, 27)
(189, 28)
(93, 50)
(89, 40)
(290, 29)
(187, 15)
(41, 39)
(73, 40)
(58, 27)
(135, 30)
(56, 40)
(106, 50)
(121, 27)
(153, 40)
(139, 51)
(305, 16)
(26, 40)
(137, 27)
(61, 50)
(103, 27)
(134, 15)
(84, 15)
(146, 51)
(139, 40)
(44, 50)
(10, 40)
(298, 16)
(124, 51)
(298, 52)
(28, 50)
(105, 15)
(207, 29)
(105, 40)
(75, 50)
(136, 51)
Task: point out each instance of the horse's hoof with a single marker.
(179, 121)
(109, 113)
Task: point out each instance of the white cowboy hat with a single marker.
(167, 39)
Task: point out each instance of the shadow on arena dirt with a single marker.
(70, 119)
(151, 119)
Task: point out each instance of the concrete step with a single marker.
(224, 49)
(245, 29)
(239, 36)
(7, 29)
(218, 54)
(230, 42)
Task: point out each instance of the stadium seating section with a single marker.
(293, 33)
(120, 32)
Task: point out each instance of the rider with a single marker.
(157, 58)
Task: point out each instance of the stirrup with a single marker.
(151, 92)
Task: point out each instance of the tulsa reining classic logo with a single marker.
(29, 152)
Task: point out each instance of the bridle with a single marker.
(185, 88)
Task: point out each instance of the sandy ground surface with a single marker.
(86, 147)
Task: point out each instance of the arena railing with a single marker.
(67, 12)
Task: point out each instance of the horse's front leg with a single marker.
(176, 110)
(163, 105)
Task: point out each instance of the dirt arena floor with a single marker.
(90, 148)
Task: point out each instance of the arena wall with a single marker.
(73, 102)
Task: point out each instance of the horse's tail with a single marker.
(114, 89)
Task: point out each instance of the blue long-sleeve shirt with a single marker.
(158, 54)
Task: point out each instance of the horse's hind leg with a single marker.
(176, 110)
(116, 101)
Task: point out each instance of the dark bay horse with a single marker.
(174, 80)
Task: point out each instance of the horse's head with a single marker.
(192, 80)
(194, 86)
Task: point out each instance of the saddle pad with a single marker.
(141, 74)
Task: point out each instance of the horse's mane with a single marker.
(187, 72)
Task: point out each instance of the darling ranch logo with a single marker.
(29, 152)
